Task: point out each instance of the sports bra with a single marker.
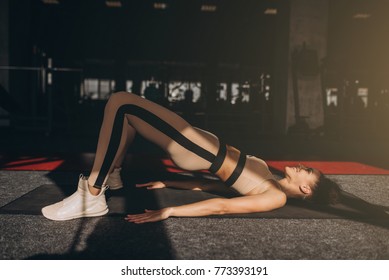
(239, 171)
(254, 174)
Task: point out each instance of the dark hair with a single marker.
(325, 191)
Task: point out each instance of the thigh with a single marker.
(154, 126)
(189, 160)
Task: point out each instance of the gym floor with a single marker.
(27, 236)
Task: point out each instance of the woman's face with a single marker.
(302, 175)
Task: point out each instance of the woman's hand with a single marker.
(149, 216)
(152, 185)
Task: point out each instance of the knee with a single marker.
(117, 99)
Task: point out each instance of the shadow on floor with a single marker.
(115, 239)
(112, 237)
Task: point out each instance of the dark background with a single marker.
(236, 44)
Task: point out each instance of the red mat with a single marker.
(84, 163)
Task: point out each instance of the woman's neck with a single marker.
(287, 188)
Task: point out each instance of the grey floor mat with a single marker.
(132, 200)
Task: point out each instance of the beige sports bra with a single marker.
(239, 171)
(254, 174)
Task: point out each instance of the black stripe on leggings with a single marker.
(154, 121)
(221, 155)
(237, 171)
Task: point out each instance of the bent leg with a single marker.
(124, 115)
(190, 148)
(126, 138)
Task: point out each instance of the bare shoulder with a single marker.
(275, 193)
(270, 199)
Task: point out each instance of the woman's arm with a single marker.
(194, 185)
(216, 206)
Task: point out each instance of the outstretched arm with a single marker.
(194, 185)
(216, 206)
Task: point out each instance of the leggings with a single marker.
(125, 114)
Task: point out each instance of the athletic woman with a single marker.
(191, 149)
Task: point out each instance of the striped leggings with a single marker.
(125, 114)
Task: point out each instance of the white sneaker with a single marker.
(80, 204)
(114, 180)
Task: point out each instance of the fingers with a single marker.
(148, 216)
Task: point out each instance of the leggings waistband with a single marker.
(228, 164)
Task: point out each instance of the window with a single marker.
(179, 91)
(97, 89)
(332, 96)
(363, 93)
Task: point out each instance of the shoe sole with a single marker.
(101, 213)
